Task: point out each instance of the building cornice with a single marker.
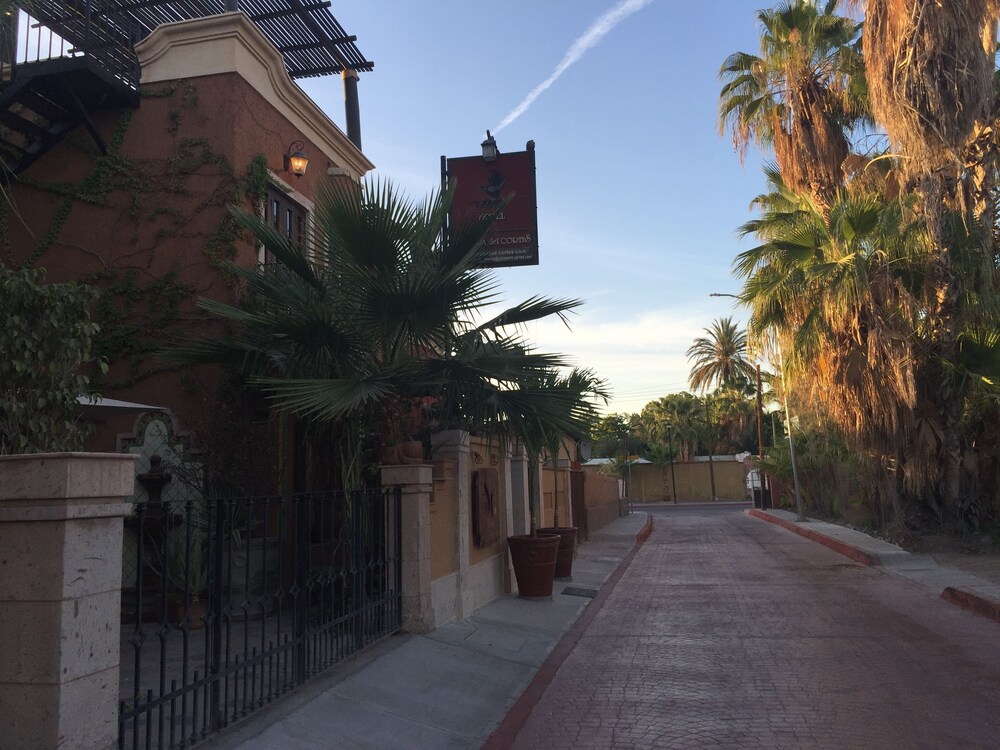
(230, 43)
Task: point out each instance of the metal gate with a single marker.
(238, 601)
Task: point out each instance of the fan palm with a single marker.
(377, 312)
(720, 357)
(931, 69)
(799, 94)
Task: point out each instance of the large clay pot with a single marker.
(567, 549)
(534, 560)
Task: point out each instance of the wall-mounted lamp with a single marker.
(296, 160)
(490, 150)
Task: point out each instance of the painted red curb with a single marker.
(503, 737)
(981, 605)
(845, 549)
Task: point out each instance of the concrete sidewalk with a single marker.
(447, 689)
(956, 586)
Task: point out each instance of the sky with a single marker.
(639, 197)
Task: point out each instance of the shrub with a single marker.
(45, 339)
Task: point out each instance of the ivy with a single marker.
(135, 318)
(136, 311)
(47, 335)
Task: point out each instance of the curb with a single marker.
(980, 605)
(503, 737)
(865, 558)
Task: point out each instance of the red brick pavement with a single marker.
(728, 633)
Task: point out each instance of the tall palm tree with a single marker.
(799, 95)
(377, 313)
(720, 357)
(931, 72)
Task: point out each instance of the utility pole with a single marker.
(708, 436)
(760, 442)
(670, 443)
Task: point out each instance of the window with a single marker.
(287, 217)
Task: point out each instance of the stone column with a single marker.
(415, 482)
(453, 445)
(521, 518)
(60, 598)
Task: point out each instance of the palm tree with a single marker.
(799, 95)
(720, 357)
(378, 314)
(931, 72)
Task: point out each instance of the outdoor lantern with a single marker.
(296, 161)
(490, 151)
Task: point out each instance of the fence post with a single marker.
(415, 483)
(60, 597)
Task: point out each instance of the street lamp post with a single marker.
(670, 446)
(791, 437)
(711, 449)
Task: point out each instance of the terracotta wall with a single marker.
(156, 208)
(602, 501)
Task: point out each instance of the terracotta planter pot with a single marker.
(534, 560)
(567, 549)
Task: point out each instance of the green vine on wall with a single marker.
(138, 312)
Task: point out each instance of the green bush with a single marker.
(45, 338)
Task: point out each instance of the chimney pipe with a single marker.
(352, 109)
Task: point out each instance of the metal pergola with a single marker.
(305, 32)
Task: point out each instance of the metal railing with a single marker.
(238, 601)
(43, 31)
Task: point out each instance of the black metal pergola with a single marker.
(305, 32)
(76, 55)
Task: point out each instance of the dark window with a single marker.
(287, 217)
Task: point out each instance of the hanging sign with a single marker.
(482, 186)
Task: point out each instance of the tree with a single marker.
(45, 340)
(378, 316)
(799, 95)
(720, 357)
(684, 414)
(931, 73)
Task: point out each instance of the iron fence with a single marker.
(238, 601)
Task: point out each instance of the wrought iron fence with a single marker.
(238, 601)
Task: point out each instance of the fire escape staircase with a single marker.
(42, 100)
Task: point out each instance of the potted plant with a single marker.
(569, 411)
(566, 534)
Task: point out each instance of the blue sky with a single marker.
(639, 197)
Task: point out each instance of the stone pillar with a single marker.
(60, 598)
(521, 518)
(415, 482)
(453, 445)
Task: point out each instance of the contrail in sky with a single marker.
(597, 31)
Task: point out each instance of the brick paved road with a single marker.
(733, 633)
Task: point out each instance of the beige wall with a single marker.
(548, 498)
(444, 559)
(482, 455)
(653, 483)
